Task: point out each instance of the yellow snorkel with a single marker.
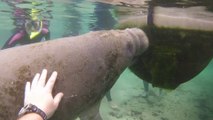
(34, 27)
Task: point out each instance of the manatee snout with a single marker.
(138, 44)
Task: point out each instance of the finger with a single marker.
(26, 93)
(51, 82)
(42, 78)
(58, 98)
(35, 81)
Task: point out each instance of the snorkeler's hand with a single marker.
(40, 94)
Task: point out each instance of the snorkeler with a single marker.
(33, 31)
(146, 89)
(109, 99)
(30, 27)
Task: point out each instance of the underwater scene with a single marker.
(170, 80)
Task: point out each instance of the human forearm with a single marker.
(31, 116)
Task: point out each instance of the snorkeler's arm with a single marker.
(13, 40)
(47, 36)
(46, 33)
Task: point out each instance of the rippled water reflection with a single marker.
(64, 18)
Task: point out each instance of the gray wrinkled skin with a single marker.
(88, 66)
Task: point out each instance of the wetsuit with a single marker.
(21, 38)
(21, 16)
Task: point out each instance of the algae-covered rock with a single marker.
(174, 56)
(180, 34)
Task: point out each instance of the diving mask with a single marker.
(33, 28)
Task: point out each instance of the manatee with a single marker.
(88, 66)
(181, 43)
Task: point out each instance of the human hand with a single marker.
(40, 94)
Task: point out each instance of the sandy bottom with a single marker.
(190, 101)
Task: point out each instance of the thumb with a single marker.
(58, 98)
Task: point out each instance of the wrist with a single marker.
(31, 116)
(30, 108)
